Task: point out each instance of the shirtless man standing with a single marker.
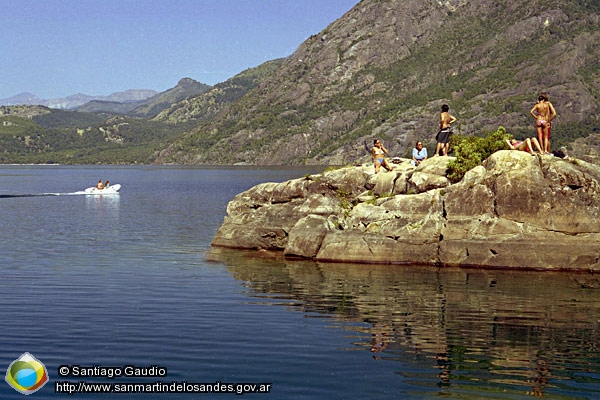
(443, 136)
(543, 112)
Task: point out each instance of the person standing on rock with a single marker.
(443, 136)
(543, 112)
(378, 153)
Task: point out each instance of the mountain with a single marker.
(79, 99)
(184, 89)
(208, 104)
(385, 68)
(24, 98)
(381, 70)
(70, 101)
(148, 106)
(108, 132)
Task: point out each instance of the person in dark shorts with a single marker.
(443, 136)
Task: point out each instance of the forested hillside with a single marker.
(118, 133)
(37, 134)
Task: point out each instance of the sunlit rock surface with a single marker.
(516, 210)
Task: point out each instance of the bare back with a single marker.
(445, 120)
(543, 110)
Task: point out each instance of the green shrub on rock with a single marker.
(470, 151)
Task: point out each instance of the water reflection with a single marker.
(467, 331)
(103, 206)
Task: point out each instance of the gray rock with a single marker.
(306, 236)
(514, 211)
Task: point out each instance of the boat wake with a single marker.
(9, 196)
(112, 190)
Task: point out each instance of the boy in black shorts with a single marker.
(443, 136)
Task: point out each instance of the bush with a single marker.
(470, 151)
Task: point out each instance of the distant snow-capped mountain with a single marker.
(78, 99)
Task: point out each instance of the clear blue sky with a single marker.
(56, 48)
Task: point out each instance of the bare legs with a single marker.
(540, 134)
(546, 142)
(533, 142)
(528, 145)
(378, 165)
(543, 137)
(442, 146)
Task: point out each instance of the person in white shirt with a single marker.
(419, 154)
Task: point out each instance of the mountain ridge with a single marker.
(78, 99)
(148, 107)
(381, 70)
(385, 68)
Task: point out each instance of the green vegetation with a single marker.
(68, 137)
(470, 151)
(487, 64)
(345, 203)
(65, 119)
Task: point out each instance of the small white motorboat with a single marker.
(112, 189)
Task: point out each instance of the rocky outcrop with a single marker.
(515, 210)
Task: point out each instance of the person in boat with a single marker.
(100, 185)
(543, 112)
(378, 153)
(443, 136)
(419, 154)
(106, 184)
(525, 145)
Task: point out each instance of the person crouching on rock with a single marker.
(378, 153)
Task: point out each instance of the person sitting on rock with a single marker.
(419, 154)
(378, 153)
(525, 145)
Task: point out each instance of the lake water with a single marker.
(111, 281)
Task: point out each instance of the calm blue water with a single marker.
(122, 280)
